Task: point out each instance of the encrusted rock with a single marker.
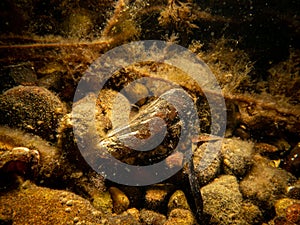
(251, 213)
(180, 217)
(281, 206)
(178, 201)
(265, 183)
(156, 197)
(37, 205)
(237, 156)
(293, 213)
(126, 218)
(207, 164)
(223, 201)
(134, 212)
(149, 217)
(29, 155)
(101, 200)
(33, 109)
(287, 212)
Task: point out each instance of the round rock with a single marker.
(33, 109)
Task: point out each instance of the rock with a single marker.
(287, 212)
(282, 204)
(31, 204)
(120, 200)
(222, 198)
(126, 218)
(134, 212)
(292, 162)
(51, 76)
(207, 165)
(223, 201)
(280, 221)
(149, 217)
(179, 211)
(264, 183)
(180, 217)
(23, 74)
(156, 197)
(251, 213)
(265, 148)
(102, 200)
(78, 24)
(293, 213)
(19, 160)
(234, 157)
(29, 155)
(33, 109)
(237, 156)
(135, 195)
(178, 201)
(44, 164)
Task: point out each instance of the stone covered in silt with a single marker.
(33, 109)
(264, 183)
(37, 205)
(223, 202)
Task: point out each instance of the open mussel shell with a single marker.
(156, 131)
(161, 128)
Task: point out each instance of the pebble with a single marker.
(149, 217)
(265, 148)
(155, 197)
(134, 212)
(69, 203)
(180, 217)
(68, 209)
(120, 200)
(76, 219)
(135, 194)
(178, 201)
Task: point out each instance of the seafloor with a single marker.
(51, 142)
